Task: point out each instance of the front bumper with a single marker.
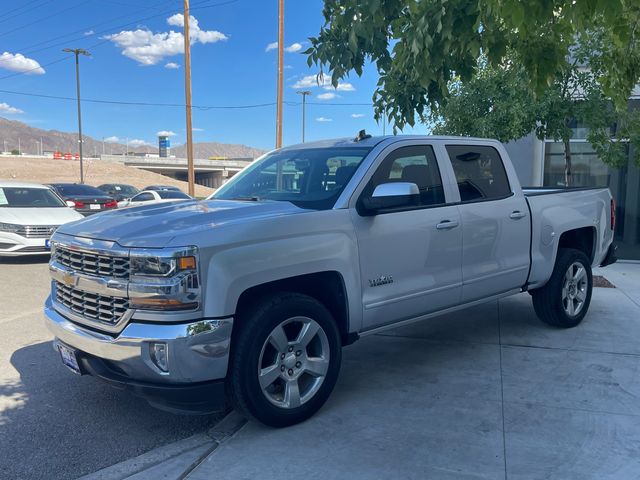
(12, 245)
(198, 358)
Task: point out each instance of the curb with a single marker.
(175, 460)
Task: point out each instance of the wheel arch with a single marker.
(327, 287)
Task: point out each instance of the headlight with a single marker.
(164, 279)
(162, 266)
(9, 227)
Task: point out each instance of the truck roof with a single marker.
(372, 141)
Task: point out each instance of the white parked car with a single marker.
(29, 214)
(154, 196)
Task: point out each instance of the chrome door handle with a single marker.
(446, 225)
(517, 214)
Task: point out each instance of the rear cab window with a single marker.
(480, 173)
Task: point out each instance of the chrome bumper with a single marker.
(198, 350)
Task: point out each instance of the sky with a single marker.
(136, 51)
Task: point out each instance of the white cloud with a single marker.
(324, 119)
(195, 129)
(310, 81)
(148, 48)
(8, 109)
(357, 115)
(172, 65)
(19, 63)
(343, 87)
(112, 139)
(166, 133)
(327, 96)
(136, 142)
(293, 48)
(88, 33)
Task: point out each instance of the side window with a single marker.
(416, 164)
(479, 171)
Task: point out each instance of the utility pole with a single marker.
(304, 94)
(41, 148)
(280, 73)
(19, 147)
(187, 95)
(77, 52)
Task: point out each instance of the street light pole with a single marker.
(280, 95)
(304, 94)
(187, 94)
(77, 52)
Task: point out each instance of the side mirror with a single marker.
(70, 204)
(389, 196)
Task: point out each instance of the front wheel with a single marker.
(564, 300)
(285, 360)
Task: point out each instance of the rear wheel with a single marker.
(564, 300)
(285, 360)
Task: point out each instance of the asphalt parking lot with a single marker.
(52, 423)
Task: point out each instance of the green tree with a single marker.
(15, 151)
(420, 47)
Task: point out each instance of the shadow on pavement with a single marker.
(54, 424)
(25, 260)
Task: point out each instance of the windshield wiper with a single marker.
(247, 199)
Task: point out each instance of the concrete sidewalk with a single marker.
(488, 392)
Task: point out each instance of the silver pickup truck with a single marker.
(251, 294)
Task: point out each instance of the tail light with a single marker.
(111, 204)
(613, 214)
(78, 204)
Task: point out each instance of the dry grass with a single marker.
(97, 172)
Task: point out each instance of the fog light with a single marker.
(159, 353)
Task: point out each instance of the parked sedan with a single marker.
(119, 191)
(162, 188)
(152, 196)
(85, 199)
(29, 214)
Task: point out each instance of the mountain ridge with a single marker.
(56, 140)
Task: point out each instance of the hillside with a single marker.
(52, 140)
(97, 172)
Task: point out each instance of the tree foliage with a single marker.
(420, 46)
(498, 102)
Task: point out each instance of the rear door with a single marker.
(410, 257)
(495, 222)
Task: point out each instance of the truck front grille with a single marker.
(90, 305)
(36, 231)
(93, 263)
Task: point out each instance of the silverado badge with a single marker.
(381, 280)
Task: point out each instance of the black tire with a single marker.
(255, 326)
(548, 301)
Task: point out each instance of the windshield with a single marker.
(309, 178)
(119, 189)
(24, 197)
(72, 189)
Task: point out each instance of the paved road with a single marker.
(52, 423)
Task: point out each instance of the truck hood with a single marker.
(156, 224)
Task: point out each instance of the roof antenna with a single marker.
(362, 135)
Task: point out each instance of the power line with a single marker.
(21, 27)
(28, 49)
(25, 11)
(111, 29)
(181, 105)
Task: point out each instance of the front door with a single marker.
(410, 258)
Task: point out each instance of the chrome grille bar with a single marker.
(92, 306)
(93, 263)
(36, 231)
